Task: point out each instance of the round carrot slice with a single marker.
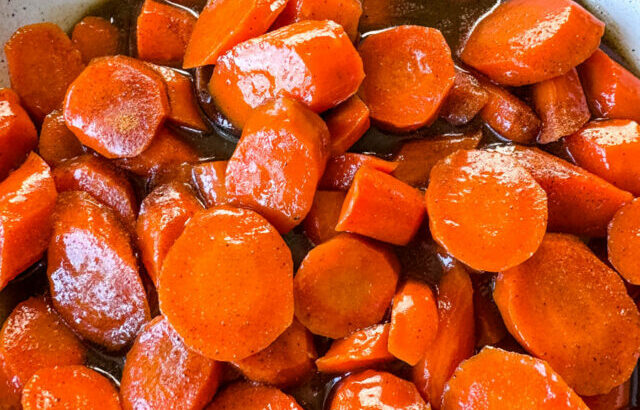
(226, 285)
(116, 106)
(486, 210)
(246, 396)
(624, 241)
(96, 37)
(345, 284)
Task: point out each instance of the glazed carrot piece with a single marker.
(299, 61)
(181, 173)
(57, 143)
(320, 223)
(561, 105)
(381, 207)
(286, 362)
(409, 72)
(622, 241)
(18, 135)
(612, 91)
(341, 170)
(116, 106)
(486, 210)
(27, 199)
(247, 396)
(69, 387)
(344, 12)
(160, 372)
(9, 398)
(209, 178)
(93, 273)
(287, 146)
(32, 338)
(226, 285)
(416, 158)
(465, 99)
(529, 41)
(508, 380)
(163, 216)
(344, 285)
(490, 328)
(616, 399)
(42, 63)
(347, 123)
(567, 307)
(371, 390)
(96, 37)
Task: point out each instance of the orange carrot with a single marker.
(320, 223)
(409, 72)
(529, 41)
(490, 328)
(246, 396)
(9, 398)
(341, 170)
(623, 240)
(181, 173)
(344, 12)
(347, 123)
(18, 135)
(616, 399)
(209, 177)
(96, 37)
(465, 99)
(57, 143)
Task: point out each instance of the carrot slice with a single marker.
(181, 173)
(298, 61)
(209, 177)
(344, 12)
(567, 307)
(286, 146)
(42, 63)
(116, 106)
(232, 296)
(381, 207)
(371, 390)
(345, 284)
(286, 362)
(347, 123)
(612, 91)
(320, 223)
(27, 199)
(160, 372)
(96, 37)
(616, 399)
(57, 143)
(341, 170)
(360, 350)
(508, 380)
(93, 273)
(32, 338)
(529, 41)
(623, 241)
(246, 396)
(409, 72)
(465, 99)
(18, 135)
(490, 328)
(486, 210)
(69, 387)
(163, 216)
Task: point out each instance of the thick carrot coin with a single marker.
(93, 273)
(226, 284)
(18, 135)
(116, 106)
(528, 41)
(567, 307)
(347, 123)
(160, 372)
(57, 143)
(345, 284)
(246, 396)
(320, 223)
(96, 37)
(209, 177)
(465, 99)
(486, 210)
(344, 12)
(623, 241)
(496, 379)
(490, 328)
(299, 61)
(341, 170)
(409, 72)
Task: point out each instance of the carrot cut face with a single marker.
(409, 72)
(486, 210)
(567, 307)
(57, 143)
(18, 135)
(93, 273)
(490, 328)
(96, 37)
(508, 380)
(465, 99)
(623, 241)
(529, 41)
(347, 123)
(42, 63)
(299, 61)
(247, 396)
(160, 372)
(209, 177)
(116, 106)
(320, 223)
(345, 284)
(344, 12)
(616, 399)
(341, 170)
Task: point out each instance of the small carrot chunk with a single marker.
(567, 307)
(285, 145)
(486, 210)
(18, 135)
(409, 72)
(42, 63)
(623, 241)
(160, 372)
(116, 106)
(465, 99)
(320, 223)
(529, 41)
(27, 199)
(508, 380)
(247, 396)
(299, 61)
(616, 399)
(96, 37)
(32, 338)
(347, 123)
(344, 285)
(209, 177)
(93, 273)
(344, 12)
(490, 328)
(341, 170)
(381, 207)
(181, 173)
(57, 143)
(69, 387)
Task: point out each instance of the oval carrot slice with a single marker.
(344, 12)
(320, 223)
(486, 210)
(623, 240)
(465, 99)
(116, 106)
(508, 380)
(567, 307)
(18, 135)
(341, 170)
(345, 284)
(347, 123)
(528, 41)
(93, 273)
(409, 72)
(160, 372)
(209, 177)
(246, 396)
(57, 143)
(96, 37)
(233, 295)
